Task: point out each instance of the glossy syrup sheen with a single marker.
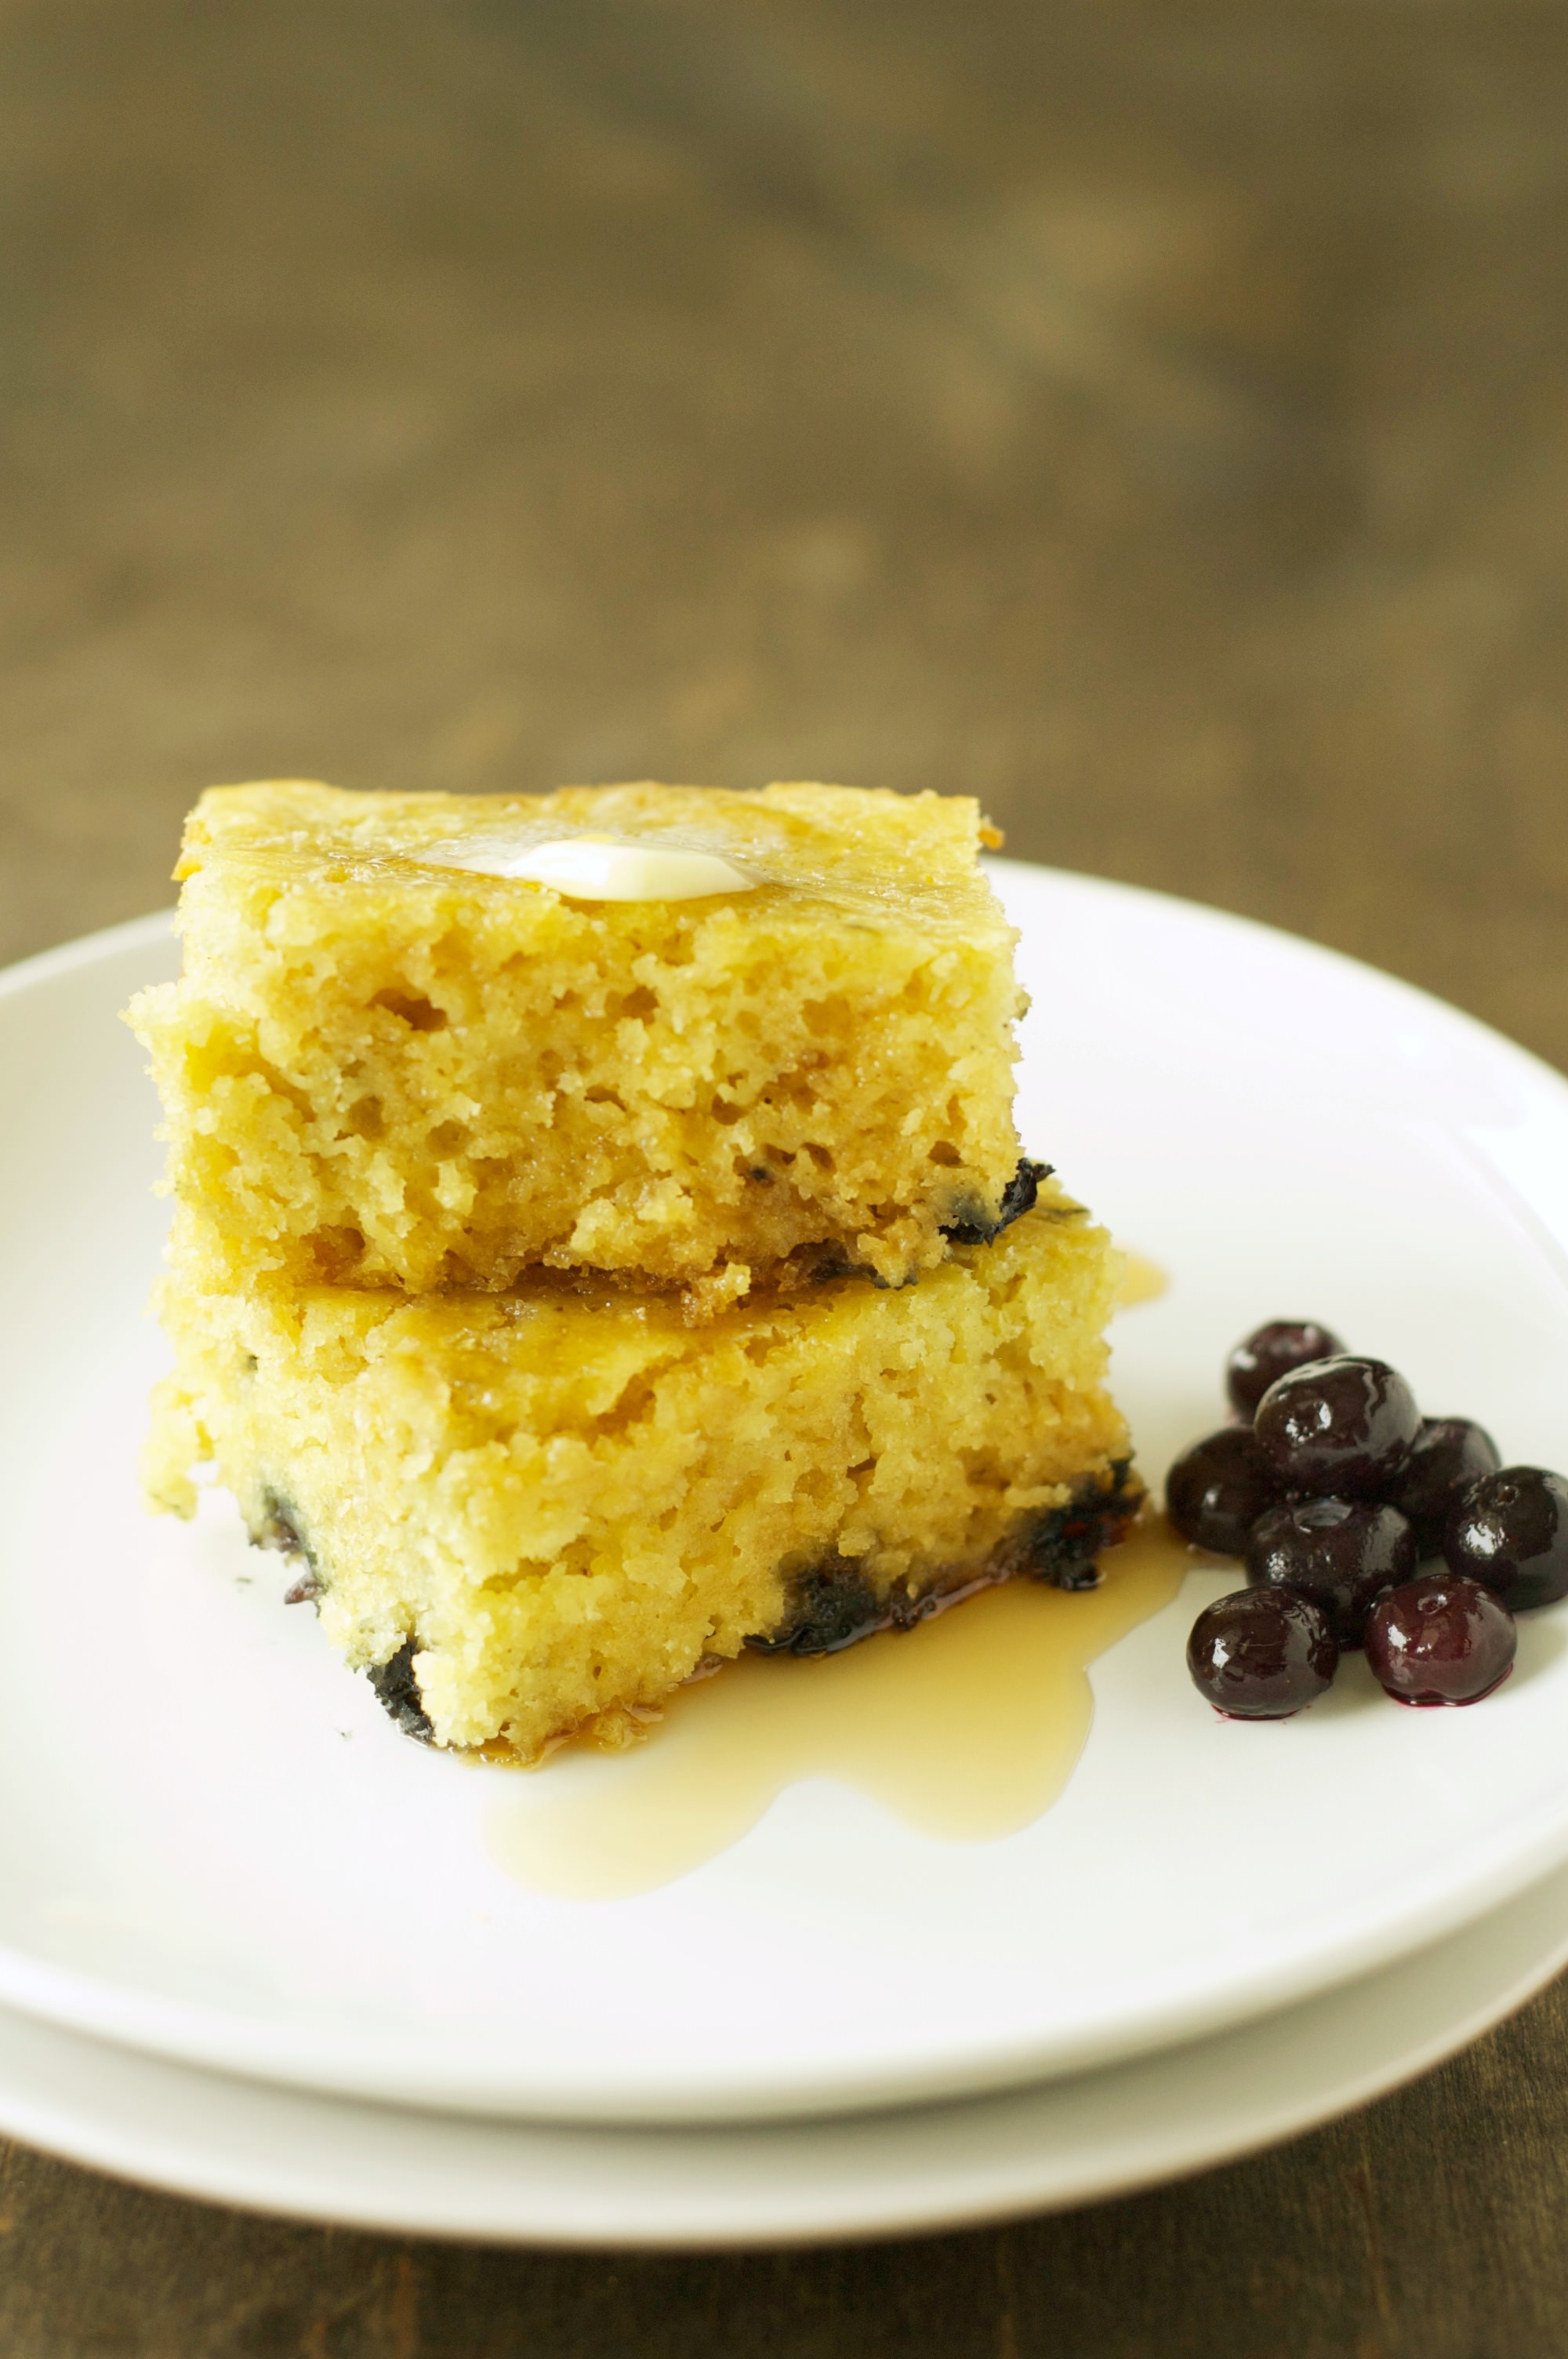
(966, 1727)
(1142, 1281)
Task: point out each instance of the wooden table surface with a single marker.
(1150, 416)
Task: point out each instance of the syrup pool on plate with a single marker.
(1142, 1281)
(966, 1727)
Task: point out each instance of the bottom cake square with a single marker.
(537, 1513)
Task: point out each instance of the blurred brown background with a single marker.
(1152, 419)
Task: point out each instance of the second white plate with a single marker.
(215, 1845)
(1071, 2141)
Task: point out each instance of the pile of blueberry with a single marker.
(1335, 1489)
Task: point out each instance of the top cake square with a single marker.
(386, 1065)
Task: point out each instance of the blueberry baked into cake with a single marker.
(602, 1243)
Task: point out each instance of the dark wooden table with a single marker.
(1152, 419)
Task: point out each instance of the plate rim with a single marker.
(1034, 2183)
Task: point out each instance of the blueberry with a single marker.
(1449, 1452)
(974, 1226)
(1440, 1639)
(1216, 1490)
(1262, 1654)
(1271, 1352)
(1343, 1428)
(830, 1607)
(1343, 1553)
(396, 1684)
(1510, 1530)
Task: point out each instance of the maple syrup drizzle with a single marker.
(966, 1727)
(1142, 1281)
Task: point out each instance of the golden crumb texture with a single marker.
(560, 1502)
(383, 1070)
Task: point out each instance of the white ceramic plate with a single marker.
(1036, 2149)
(217, 1847)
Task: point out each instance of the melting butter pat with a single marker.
(601, 868)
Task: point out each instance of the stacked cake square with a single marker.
(601, 1241)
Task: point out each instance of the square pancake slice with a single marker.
(386, 1064)
(533, 1512)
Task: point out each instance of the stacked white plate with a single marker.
(253, 1944)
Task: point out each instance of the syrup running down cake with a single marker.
(400, 1056)
(541, 1511)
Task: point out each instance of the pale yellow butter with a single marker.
(604, 868)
